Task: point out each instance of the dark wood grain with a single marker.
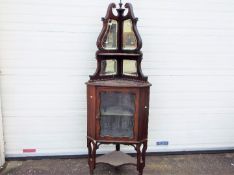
(119, 83)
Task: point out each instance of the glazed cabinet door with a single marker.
(117, 113)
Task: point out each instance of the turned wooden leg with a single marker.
(141, 150)
(92, 146)
(117, 147)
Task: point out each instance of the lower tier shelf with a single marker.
(116, 159)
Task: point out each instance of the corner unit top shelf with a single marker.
(119, 83)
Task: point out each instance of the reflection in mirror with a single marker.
(108, 67)
(129, 37)
(110, 37)
(130, 67)
(117, 111)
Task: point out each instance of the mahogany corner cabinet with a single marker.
(118, 92)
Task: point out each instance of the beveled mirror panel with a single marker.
(110, 37)
(117, 111)
(130, 67)
(129, 37)
(108, 67)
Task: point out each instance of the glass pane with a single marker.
(129, 38)
(108, 67)
(117, 114)
(130, 67)
(110, 37)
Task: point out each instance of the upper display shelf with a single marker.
(119, 44)
(119, 32)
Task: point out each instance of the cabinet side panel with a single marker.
(144, 113)
(91, 111)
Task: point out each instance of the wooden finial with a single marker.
(120, 3)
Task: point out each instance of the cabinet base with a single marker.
(116, 158)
